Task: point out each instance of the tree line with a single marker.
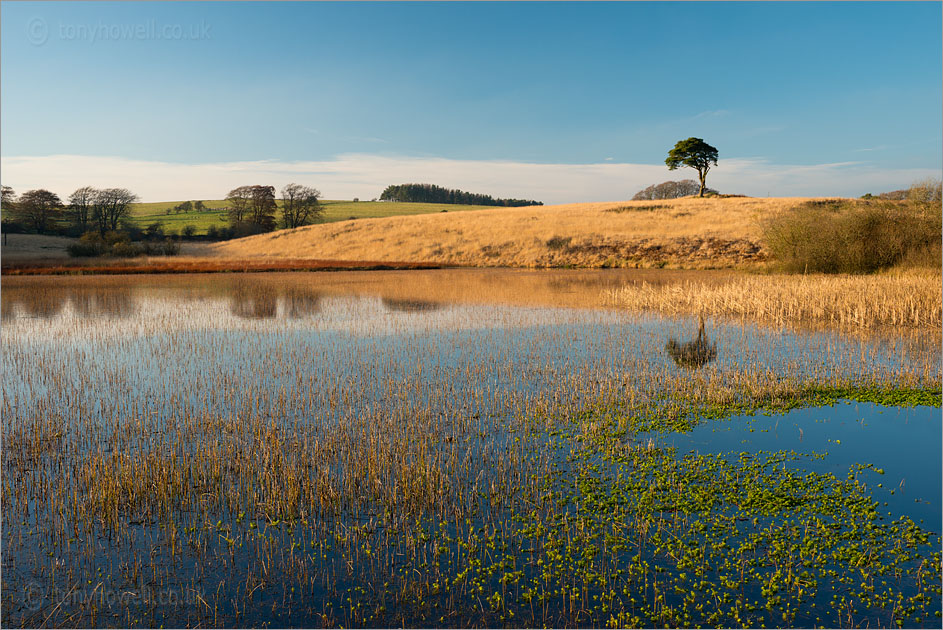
(252, 209)
(88, 208)
(430, 193)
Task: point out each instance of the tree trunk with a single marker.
(703, 176)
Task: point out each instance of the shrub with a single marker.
(170, 248)
(89, 244)
(83, 250)
(126, 249)
(559, 242)
(189, 231)
(154, 231)
(11, 226)
(834, 236)
(620, 209)
(119, 244)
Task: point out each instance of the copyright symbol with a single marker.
(33, 596)
(37, 31)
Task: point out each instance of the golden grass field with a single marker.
(689, 233)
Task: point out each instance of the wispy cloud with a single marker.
(365, 176)
(712, 113)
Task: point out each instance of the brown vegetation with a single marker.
(693, 233)
(857, 236)
(856, 302)
(197, 265)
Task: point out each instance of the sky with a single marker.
(560, 102)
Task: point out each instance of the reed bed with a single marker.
(235, 451)
(911, 300)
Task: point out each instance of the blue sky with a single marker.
(844, 94)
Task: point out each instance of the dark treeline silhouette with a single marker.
(430, 193)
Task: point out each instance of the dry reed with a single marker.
(854, 302)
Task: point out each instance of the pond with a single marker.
(441, 448)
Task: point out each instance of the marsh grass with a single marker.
(304, 450)
(852, 302)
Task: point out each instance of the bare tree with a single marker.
(81, 205)
(39, 209)
(239, 200)
(110, 206)
(263, 207)
(300, 205)
(252, 208)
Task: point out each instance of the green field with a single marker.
(143, 214)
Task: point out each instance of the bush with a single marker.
(154, 231)
(119, 244)
(83, 250)
(858, 236)
(11, 226)
(126, 249)
(90, 244)
(189, 231)
(559, 242)
(170, 248)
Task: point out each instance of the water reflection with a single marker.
(301, 302)
(410, 306)
(251, 300)
(696, 353)
(87, 301)
(90, 301)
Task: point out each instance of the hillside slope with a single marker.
(678, 233)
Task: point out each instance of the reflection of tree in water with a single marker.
(7, 310)
(301, 302)
(260, 301)
(410, 306)
(102, 301)
(693, 353)
(34, 302)
(254, 301)
(87, 301)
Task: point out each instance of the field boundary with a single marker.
(49, 268)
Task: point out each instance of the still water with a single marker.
(391, 398)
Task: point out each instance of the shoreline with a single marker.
(58, 267)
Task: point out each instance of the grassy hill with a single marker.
(144, 214)
(690, 232)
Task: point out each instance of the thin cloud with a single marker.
(366, 175)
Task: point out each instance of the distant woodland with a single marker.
(430, 193)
